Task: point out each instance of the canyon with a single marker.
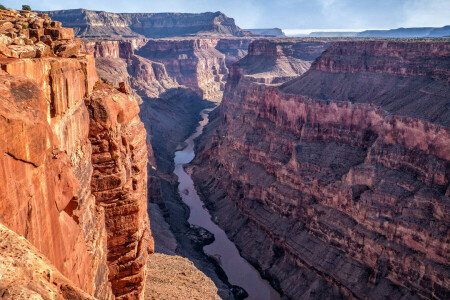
(336, 184)
(325, 161)
(73, 209)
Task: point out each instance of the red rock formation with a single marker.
(338, 198)
(415, 74)
(116, 62)
(274, 61)
(48, 174)
(196, 63)
(119, 183)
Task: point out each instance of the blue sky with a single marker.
(286, 14)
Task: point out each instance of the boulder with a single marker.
(69, 49)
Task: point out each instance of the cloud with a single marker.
(424, 13)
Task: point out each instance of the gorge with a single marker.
(323, 172)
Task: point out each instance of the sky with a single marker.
(285, 14)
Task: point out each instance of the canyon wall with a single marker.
(170, 112)
(197, 63)
(331, 187)
(116, 62)
(274, 61)
(101, 24)
(74, 160)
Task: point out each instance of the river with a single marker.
(238, 270)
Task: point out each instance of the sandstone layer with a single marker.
(101, 24)
(340, 190)
(55, 186)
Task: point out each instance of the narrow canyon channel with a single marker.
(238, 270)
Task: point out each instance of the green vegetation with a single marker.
(24, 26)
(2, 7)
(26, 7)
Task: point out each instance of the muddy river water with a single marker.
(238, 270)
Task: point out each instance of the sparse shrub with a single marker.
(24, 26)
(26, 7)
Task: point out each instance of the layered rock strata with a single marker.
(98, 24)
(116, 62)
(51, 184)
(338, 191)
(119, 184)
(199, 64)
(274, 61)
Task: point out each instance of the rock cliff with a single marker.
(170, 113)
(336, 185)
(74, 160)
(273, 61)
(116, 62)
(100, 24)
(197, 63)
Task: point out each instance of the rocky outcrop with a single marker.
(333, 193)
(29, 35)
(119, 184)
(27, 274)
(101, 24)
(273, 61)
(54, 181)
(175, 277)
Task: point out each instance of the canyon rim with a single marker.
(179, 156)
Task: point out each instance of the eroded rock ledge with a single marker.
(342, 198)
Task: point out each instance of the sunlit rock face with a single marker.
(336, 184)
(79, 209)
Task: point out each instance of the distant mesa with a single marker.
(408, 32)
(275, 32)
(417, 32)
(101, 24)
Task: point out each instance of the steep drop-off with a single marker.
(73, 165)
(340, 190)
(170, 113)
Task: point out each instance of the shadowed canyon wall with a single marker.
(336, 184)
(74, 161)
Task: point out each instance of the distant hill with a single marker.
(418, 32)
(332, 34)
(408, 32)
(98, 24)
(276, 32)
